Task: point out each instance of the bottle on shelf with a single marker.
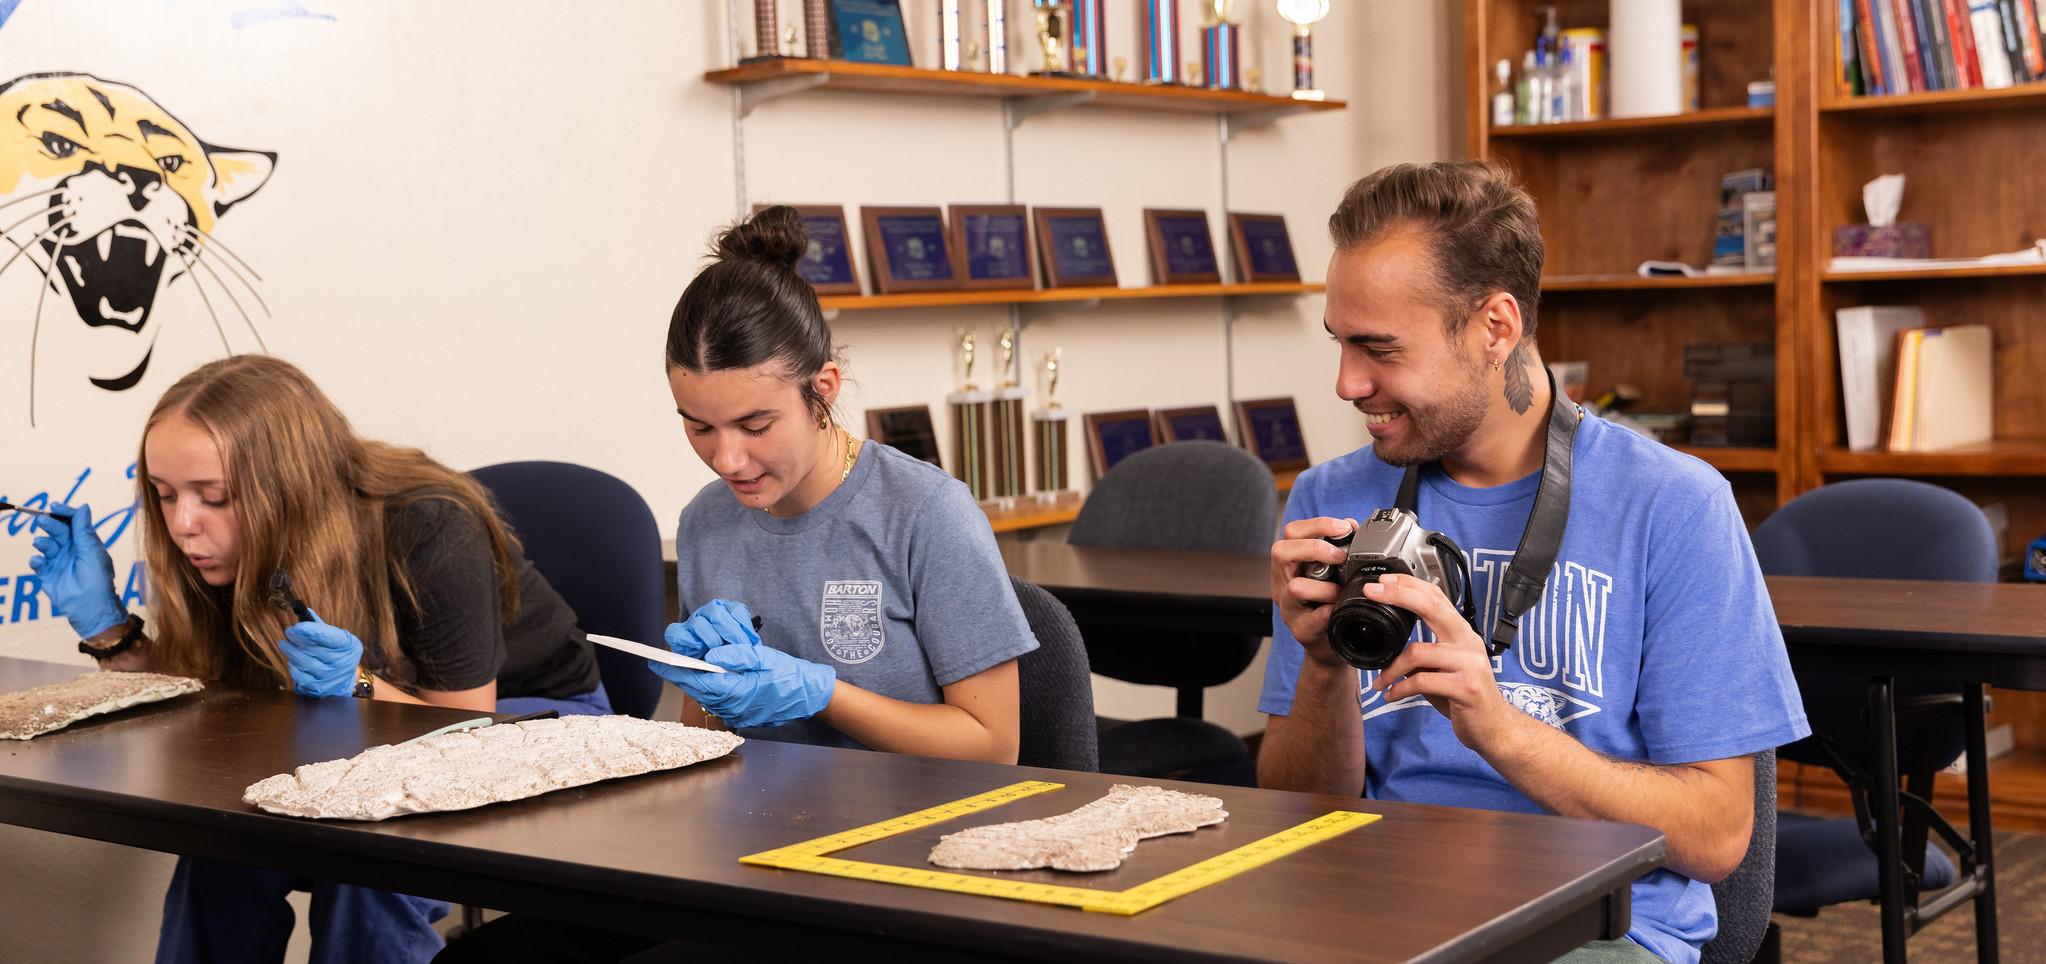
(1545, 82)
(1563, 99)
(1524, 93)
(1502, 93)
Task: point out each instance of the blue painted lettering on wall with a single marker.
(7, 10)
(21, 598)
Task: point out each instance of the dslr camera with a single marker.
(1368, 634)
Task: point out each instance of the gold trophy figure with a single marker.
(1054, 25)
(1049, 428)
(972, 456)
(1007, 448)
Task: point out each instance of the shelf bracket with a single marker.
(1025, 107)
(756, 94)
(1244, 120)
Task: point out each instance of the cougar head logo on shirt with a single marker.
(113, 201)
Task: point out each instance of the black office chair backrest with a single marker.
(1875, 529)
(1055, 687)
(595, 541)
(1745, 896)
(1185, 495)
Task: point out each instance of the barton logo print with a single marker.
(850, 623)
(113, 202)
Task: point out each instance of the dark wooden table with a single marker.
(660, 853)
(1965, 633)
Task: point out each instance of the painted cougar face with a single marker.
(120, 199)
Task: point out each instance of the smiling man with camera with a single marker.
(1591, 634)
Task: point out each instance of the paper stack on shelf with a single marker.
(2036, 254)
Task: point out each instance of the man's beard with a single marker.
(1439, 429)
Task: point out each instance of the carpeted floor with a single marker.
(1852, 933)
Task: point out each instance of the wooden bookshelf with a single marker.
(1635, 282)
(789, 74)
(953, 299)
(1733, 459)
(2020, 97)
(2016, 457)
(1937, 274)
(1758, 117)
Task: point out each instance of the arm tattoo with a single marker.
(1519, 390)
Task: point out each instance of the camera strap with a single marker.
(1543, 537)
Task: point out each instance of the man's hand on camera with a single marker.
(1454, 672)
(1304, 603)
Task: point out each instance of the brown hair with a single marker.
(1480, 228)
(750, 307)
(308, 494)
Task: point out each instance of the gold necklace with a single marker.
(852, 454)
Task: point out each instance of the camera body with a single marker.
(1369, 634)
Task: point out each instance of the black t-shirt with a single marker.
(457, 637)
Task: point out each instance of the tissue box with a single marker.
(1900, 240)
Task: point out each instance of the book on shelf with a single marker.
(1868, 357)
(1909, 46)
(1944, 394)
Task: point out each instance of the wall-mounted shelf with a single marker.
(1630, 282)
(1696, 120)
(952, 299)
(764, 80)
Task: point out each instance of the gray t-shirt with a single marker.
(893, 580)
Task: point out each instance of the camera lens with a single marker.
(1366, 634)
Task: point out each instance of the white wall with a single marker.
(482, 212)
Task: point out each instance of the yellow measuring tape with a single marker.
(811, 856)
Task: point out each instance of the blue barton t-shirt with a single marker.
(893, 580)
(1654, 639)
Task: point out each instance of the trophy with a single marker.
(951, 36)
(971, 455)
(1054, 24)
(1161, 41)
(1049, 424)
(763, 31)
(1006, 475)
(1303, 15)
(817, 28)
(996, 46)
(1221, 44)
(1090, 38)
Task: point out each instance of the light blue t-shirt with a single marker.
(893, 580)
(1654, 640)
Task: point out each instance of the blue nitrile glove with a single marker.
(323, 658)
(76, 570)
(720, 622)
(762, 686)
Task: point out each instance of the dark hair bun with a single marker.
(774, 235)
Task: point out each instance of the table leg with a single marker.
(1978, 823)
(1882, 721)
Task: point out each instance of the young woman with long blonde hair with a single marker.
(417, 590)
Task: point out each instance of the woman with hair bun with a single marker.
(888, 618)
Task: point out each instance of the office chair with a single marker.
(1055, 687)
(1746, 896)
(1872, 529)
(1185, 495)
(596, 543)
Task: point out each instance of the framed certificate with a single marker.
(1114, 436)
(1199, 423)
(1182, 251)
(908, 250)
(869, 31)
(1073, 247)
(993, 242)
(1270, 429)
(828, 264)
(907, 428)
(1262, 248)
